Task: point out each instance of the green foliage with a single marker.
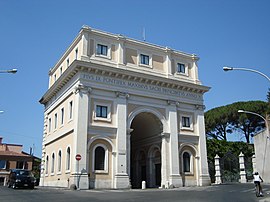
(221, 147)
(225, 119)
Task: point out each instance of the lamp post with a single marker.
(248, 112)
(267, 129)
(12, 71)
(245, 69)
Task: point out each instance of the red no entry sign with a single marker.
(78, 157)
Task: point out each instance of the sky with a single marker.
(34, 34)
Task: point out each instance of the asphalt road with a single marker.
(217, 193)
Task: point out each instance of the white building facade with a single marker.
(132, 110)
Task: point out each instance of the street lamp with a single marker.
(248, 112)
(12, 71)
(245, 69)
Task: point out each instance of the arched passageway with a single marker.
(145, 150)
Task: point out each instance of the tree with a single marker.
(223, 120)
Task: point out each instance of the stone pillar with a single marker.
(164, 159)
(121, 178)
(128, 151)
(254, 163)
(81, 111)
(217, 169)
(174, 178)
(243, 177)
(204, 178)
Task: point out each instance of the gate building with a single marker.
(132, 110)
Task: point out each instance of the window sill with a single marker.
(187, 129)
(147, 66)
(103, 119)
(59, 173)
(67, 171)
(103, 56)
(101, 171)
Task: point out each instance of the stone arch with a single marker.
(99, 137)
(100, 178)
(145, 109)
(190, 177)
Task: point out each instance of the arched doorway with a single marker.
(145, 150)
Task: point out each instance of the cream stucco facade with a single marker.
(133, 110)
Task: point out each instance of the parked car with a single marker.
(21, 178)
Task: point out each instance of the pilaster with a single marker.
(174, 178)
(81, 117)
(204, 178)
(121, 178)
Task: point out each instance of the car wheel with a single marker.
(13, 186)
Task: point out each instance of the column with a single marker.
(128, 150)
(243, 177)
(254, 163)
(217, 169)
(164, 160)
(121, 178)
(204, 178)
(81, 111)
(174, 178)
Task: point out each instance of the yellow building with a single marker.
(132, 110)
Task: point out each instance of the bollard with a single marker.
(143, 184)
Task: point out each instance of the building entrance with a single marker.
(145, 150)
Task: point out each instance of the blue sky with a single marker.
(34, 34)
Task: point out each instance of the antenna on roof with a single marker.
(143, 34)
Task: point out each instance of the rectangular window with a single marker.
(102, 50)
(62, 116)
(101, 111)
(70, 109)
(3, 164)
(76, 54)
(61, 70)
(186, 122)
(55, 121)
(67, 62)
(144, 59)
(20, 165)
(50, 125)
(181, 68)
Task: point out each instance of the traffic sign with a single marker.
(78, 157)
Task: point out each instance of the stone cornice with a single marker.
(120, 73)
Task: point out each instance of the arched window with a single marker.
(99, 158)
(186, 162)
(53, 159)
(68, 159)
(59, 161)
(47, 165)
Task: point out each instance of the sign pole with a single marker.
(78, 157)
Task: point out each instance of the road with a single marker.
(217, 193)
